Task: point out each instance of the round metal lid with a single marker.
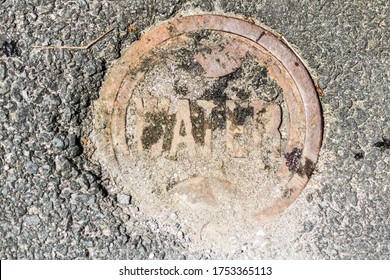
(209, 116)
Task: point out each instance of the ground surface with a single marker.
(54, 200)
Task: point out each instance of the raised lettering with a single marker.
(266, 117)
(208, 107)
(144, 105)
(183, 122)
(267, 120)
(233, 133)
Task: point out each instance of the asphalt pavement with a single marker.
(55, 200)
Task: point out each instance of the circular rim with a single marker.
(110, 98)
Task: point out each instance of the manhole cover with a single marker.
(211, 117)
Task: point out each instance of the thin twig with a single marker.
(85, 47)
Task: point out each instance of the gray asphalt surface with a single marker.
(54, 202)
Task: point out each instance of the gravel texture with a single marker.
(54, 202)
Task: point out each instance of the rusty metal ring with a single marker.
(108, 107)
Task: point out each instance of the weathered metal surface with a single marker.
(241, 40)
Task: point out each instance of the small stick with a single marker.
(85, 47)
